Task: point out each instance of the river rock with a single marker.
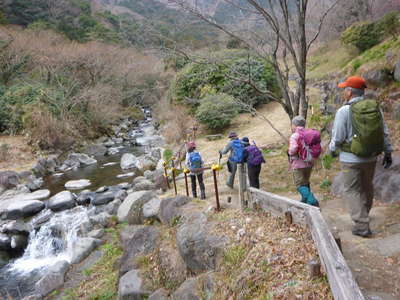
(121, 194)
(397, 71)
(131, 208)
(131, 287)
(128, 161)
(160, 294)
(96, 234)
(19, 242)
(143, 185)
(45, 166)
(156, 154)
(16, 227)
(5, 242)
(38, 195)
(61, 201)
(85, 197)
(9, 179)
(118, 140)
(103, 198)
(109, 143)
(151, 208)
(82, 248)
(112, 207)
(136, 241)
(102, 189)
(124, 185)
(146, 163)
(54, 279)
(22, 209)
(100, 219)
(200, 249)
(197, 288)
(96, 150)
(170, 208)
(112, 150)
(41, 218)
(126, 175)
(76, 160)
(34, 183)
(77, 184)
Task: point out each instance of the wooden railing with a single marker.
(341, 280)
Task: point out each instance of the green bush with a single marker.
(368, 34)
(363, 36)
(217, 111)
(198, 80)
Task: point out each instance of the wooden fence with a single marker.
(341, 280)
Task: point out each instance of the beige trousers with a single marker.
(359, 191)
(302, 176)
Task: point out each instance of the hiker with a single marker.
(236, 151)
(360, 140)
(254, 158)
(195, 163)
(302, 160)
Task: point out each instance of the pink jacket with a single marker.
(295, 162)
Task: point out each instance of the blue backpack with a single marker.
(194, 160)
(237, 152)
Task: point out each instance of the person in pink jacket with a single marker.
(301, 169)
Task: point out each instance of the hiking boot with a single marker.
(194, 194)
(202, 194)
(365, 233)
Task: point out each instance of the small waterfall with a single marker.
(53, 241)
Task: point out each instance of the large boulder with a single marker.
(85, 197)
(33, 183)
(38, 195)
(137, 240)
(61, 201)
(151, 209)
(131, 209)
(82, 248)
(128, 161)
(54, 279)
(200, 249)
(172, 264)
(142, 184)
(377, 78)
(197, 288)
(170, 209)
(77, 184)
(45, 166)
(22, 209)
(387, 182)
(131, 287)
(160, 294)
(9, 179)
(397, 71)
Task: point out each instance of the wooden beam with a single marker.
(341, 280)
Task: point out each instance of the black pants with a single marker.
(254, 175)
(201, 183)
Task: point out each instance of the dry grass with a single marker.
(19, 156)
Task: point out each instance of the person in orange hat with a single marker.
(360, 134)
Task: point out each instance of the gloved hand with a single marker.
(387, 160)
(333, 153)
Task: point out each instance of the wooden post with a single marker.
(186, 185)
(242, 185)
(216, 190)
(174, 180)
(314, 267)
(166, 176)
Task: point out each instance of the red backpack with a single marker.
(309, 144)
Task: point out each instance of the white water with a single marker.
(52, 242)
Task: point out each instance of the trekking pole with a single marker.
(173, 175)
(166, 174)
(216, 168)
(186, 171)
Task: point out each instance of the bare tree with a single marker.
(279, 31)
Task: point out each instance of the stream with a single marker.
(55, 239)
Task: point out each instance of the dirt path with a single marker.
(374, 262)
(15, 154)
